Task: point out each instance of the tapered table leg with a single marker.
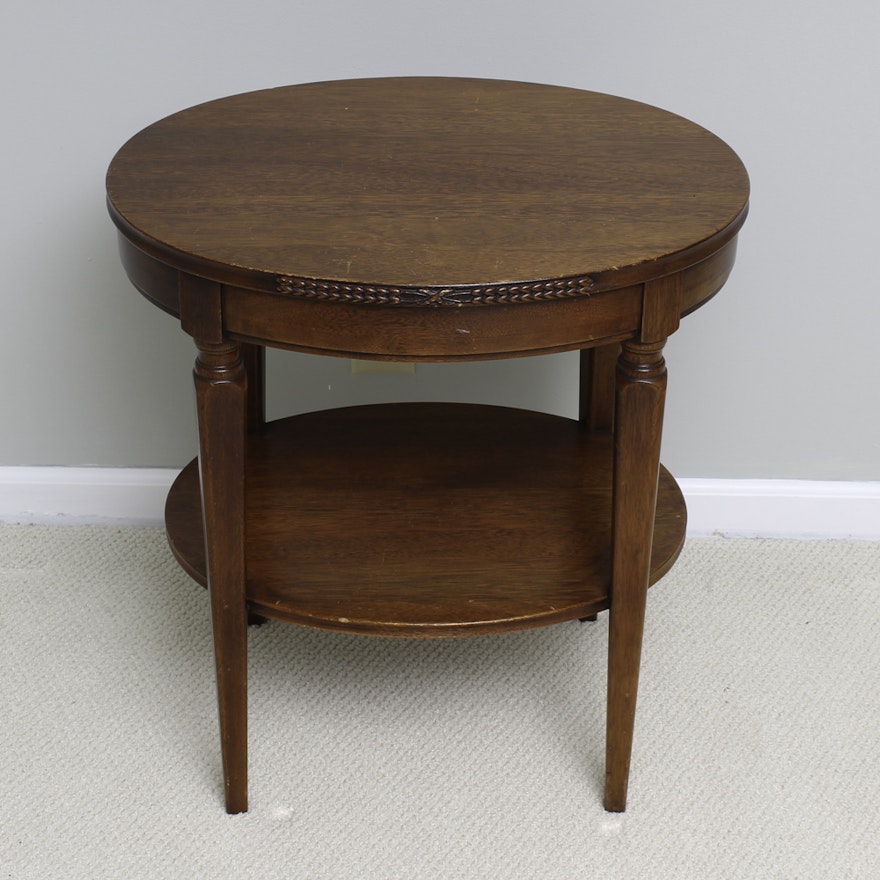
(641, 390)
(221, 401)
(254, 359)
(598, 367)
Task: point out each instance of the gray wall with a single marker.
(776, 377)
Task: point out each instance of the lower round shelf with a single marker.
(426, 520)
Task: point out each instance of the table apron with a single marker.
(435, 334)
(441, 333)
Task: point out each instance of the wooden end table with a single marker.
(427, 219)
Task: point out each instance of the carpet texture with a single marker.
(757, 750)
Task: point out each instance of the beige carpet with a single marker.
(757, 745)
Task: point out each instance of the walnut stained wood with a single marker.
(427, 219)
(380, 536)
(425, 182)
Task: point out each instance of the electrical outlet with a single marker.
(384, 367)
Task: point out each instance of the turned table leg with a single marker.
(221, 401)
(641, 389)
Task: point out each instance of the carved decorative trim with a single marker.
(493, 294)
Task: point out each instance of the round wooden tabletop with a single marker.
(428, 190)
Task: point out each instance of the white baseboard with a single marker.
(74, 495)
(783, 508)
(730, 508)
